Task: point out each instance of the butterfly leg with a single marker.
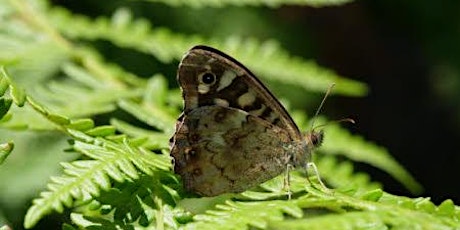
(287, 180)
(315, 169)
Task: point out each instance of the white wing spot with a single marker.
(203, 88)
(221, 102)
(226, 79)
(246, 99)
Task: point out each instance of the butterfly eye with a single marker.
(208, 78)
(316, 138)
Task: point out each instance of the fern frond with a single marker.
(266, 58)
(17, 94)
(153, 116)
(5, 102)
(270, 61)
(143, 204)
(255, 214)
(84, 179)
(340, 141)
(88, 97)
(330, 210)
(26, 118)
(153, 140)
(351, 220)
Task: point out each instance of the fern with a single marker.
(119, 125)
(330, 210)
(266, 58)
(83, 179)
(357, 149)
(5, 105)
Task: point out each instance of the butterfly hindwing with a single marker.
(229, 151)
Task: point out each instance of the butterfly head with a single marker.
(314, 139)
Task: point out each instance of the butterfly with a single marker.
(233, 133)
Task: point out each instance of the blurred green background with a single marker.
(407, 52)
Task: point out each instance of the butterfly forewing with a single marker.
(234, 86)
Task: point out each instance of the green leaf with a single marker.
(373, 195)
(4, 82)
(5, 150)
(18, 94)
(101, 131)
(5, 105)
(59, 119)
(447, 208)
(81, 124)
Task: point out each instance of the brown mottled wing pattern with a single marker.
(229, 151)
(234, 84)
(233, 133)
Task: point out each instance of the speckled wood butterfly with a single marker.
(233, 134)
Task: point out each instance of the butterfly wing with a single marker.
(220, 150)
(233, 86)
(233, 134)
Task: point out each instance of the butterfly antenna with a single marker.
(329, 89)
(311, 164)
(337, 121)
